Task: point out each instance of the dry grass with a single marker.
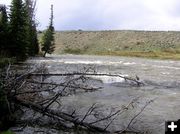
(125, 43)
(159, 55)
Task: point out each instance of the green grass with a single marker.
(153, 54)
(7, 132)
(4, 61)
(73, 51)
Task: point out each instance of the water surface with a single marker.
(161, 78)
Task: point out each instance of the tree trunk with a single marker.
(44, 55)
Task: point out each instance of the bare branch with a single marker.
(125, 108)
(63, 85)
(59, 115)
(90, 110)
(139, 83)
(142, 109)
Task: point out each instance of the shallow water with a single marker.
(161, 78)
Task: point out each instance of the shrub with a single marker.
(73, 51)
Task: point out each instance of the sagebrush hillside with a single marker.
(128, 43)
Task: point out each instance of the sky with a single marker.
(158, 15)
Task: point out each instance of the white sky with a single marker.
(109, 14)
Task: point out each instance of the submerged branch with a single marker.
(59, 115)
(65, 84)
(139, 83)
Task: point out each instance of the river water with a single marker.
(161, 78)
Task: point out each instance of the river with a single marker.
(161, 78)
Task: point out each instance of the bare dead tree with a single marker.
(31, 9)
(24, 90)
(139, 83)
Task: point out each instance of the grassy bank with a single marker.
(148, 44)
(154, 55)
(5, 61)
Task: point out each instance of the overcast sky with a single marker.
(109, 14)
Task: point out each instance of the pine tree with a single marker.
(33, 47)
(3, 31)
(18, 30)
(48, 43)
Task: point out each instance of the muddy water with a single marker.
(161, 78)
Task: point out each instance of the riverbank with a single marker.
(5, 61)
(149, 55)
(147, 44)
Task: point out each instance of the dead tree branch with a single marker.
(59, 115)
(63, 85)
(19, 86)
(129, 124)
(139, 83)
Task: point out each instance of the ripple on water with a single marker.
(108, 79)
(165, 88)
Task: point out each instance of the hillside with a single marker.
(125, 43)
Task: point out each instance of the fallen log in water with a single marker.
(59, 115)
(135, 80)
(18, 85)
(64, 118)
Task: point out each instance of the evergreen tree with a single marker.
(33, 47)
(48, 43)
(3, 31)
(18, 30)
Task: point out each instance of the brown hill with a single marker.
(163, 44)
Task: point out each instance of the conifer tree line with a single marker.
(18, 33)
(3, 29)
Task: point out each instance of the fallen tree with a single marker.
(134, 80)
(24, 90)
